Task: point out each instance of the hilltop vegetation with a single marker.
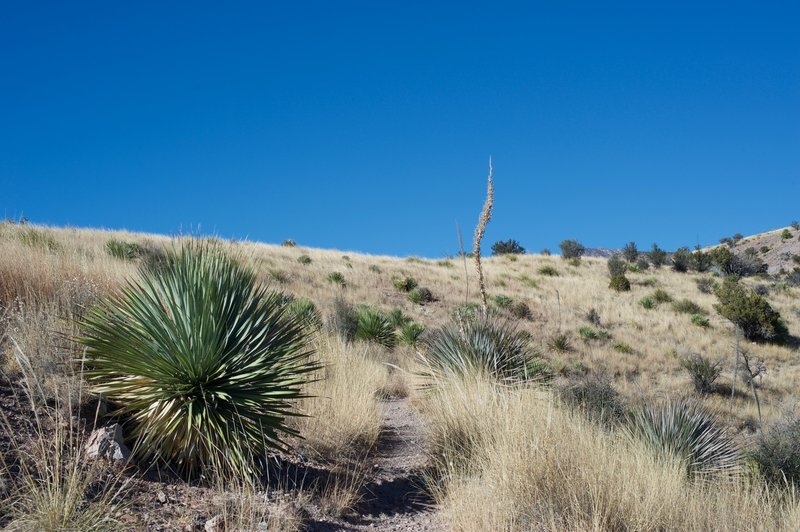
(553, 435)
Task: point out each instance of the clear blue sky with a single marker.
(368, 126)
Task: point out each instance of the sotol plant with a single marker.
(375, 326)
(202, 360)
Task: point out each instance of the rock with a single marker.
(161, 497)
(215, 524)
(107, 443)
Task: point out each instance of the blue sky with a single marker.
(368, 126)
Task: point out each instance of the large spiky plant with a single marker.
(683, 430)
(202, 361)
(481, 345)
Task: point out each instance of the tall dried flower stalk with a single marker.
(483, 220)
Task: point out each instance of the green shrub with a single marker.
(404, 284)
(700, 320)
(444, 263)
(786, 234)
(503, 301)
(587, 333)
(571, 249)
(647, 302)
(40, 239)
(630, 252)
(560, 343)
(123, 250)
(279, 276)
(343, 321)
(595, 397)
(681, 260)
(701, 261)
(420, 296)
(546, 252)
(776, 453)
(633, 268)
(593, 317)
(661, 296)
(622, 347)
(658, 257)
(397, 318)
(687, 306)
(764, 249)
(528, 281)
(795, 225)
(483, 346)
(620, 283)
(750, 311)
(305, 311)
(465, 311)
(682, 430)
(505, 247)
(703, 372)
(337, 278)
(374, 268)
(642, 263)
(705, 285)
(289, 243)
(548, 271)
(203, 361)
(374, 326)
(616, 266)
(304, 259)
(411, 333)
(575, 262)
(521, 310)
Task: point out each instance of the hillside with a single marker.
(369, 417)
(777, 249)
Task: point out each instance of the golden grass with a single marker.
(514, 460)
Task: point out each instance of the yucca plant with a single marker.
(560, 343)
(123, 250)
(682, 430)
(374, 326)
(397, 318)
(306, 312)
(703, 371)
(411, 333)
(404, 284)
(337, 278)
(201, 360)
(481, 345)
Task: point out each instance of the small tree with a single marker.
(658, 257)
(701, 261)
(630, 252)
(750, 311)
(681, 259)
(507, 247)
(616, 266)
(572, 249)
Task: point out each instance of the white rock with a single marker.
(107, 442)
(215, 524)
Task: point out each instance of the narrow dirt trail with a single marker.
(394, 497)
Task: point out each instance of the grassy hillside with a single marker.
(527, 459)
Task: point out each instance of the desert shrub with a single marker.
(548, 271)
(764, 249)
(374, 268)
(620, 283)
(687, 306)
(444, 263)
(786, 234)
(726, 241)
(204, 362)
(743, 265)
(588, 333)
(304, 259)
(420, 296)
(658, 257)
(630, 252)
(594, 396)
(279, 276)
(546, 252)
(681, 259)
(343, 320)
(571, 249)
(593, 317)
(761, 289)
(337, 278)
(289, 243)
(622, 347)
(465, 311)
(528, 281)
(374, 326)
(305, 311)
(703, 371)
(737, 237)
(37, 238)
(122, 250)
(411, 333)
(642, 263)
(700, 320)
(485, 346)
(503, 301)
(795, 225)
(520, 310)
(682, 430)
(705, 285)
(749, 311)
(776, 452)
(404, 284)
(560, 343)
(616, 266)
(397, 318)
(662, 296)
(633, 268)
(505, 247)
(700, 261)
(793, 277)
(575, 262)
(647, 302)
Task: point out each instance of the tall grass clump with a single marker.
(201, 360)
(682, 430)
(482, 346)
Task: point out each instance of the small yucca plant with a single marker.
(411, 333)
(202, 361)
(682, 430)
(404, 284)
(374, 326)
(481, 345)
(306, 312)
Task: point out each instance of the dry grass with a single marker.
(514, 460)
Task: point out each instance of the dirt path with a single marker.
(394, 498)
